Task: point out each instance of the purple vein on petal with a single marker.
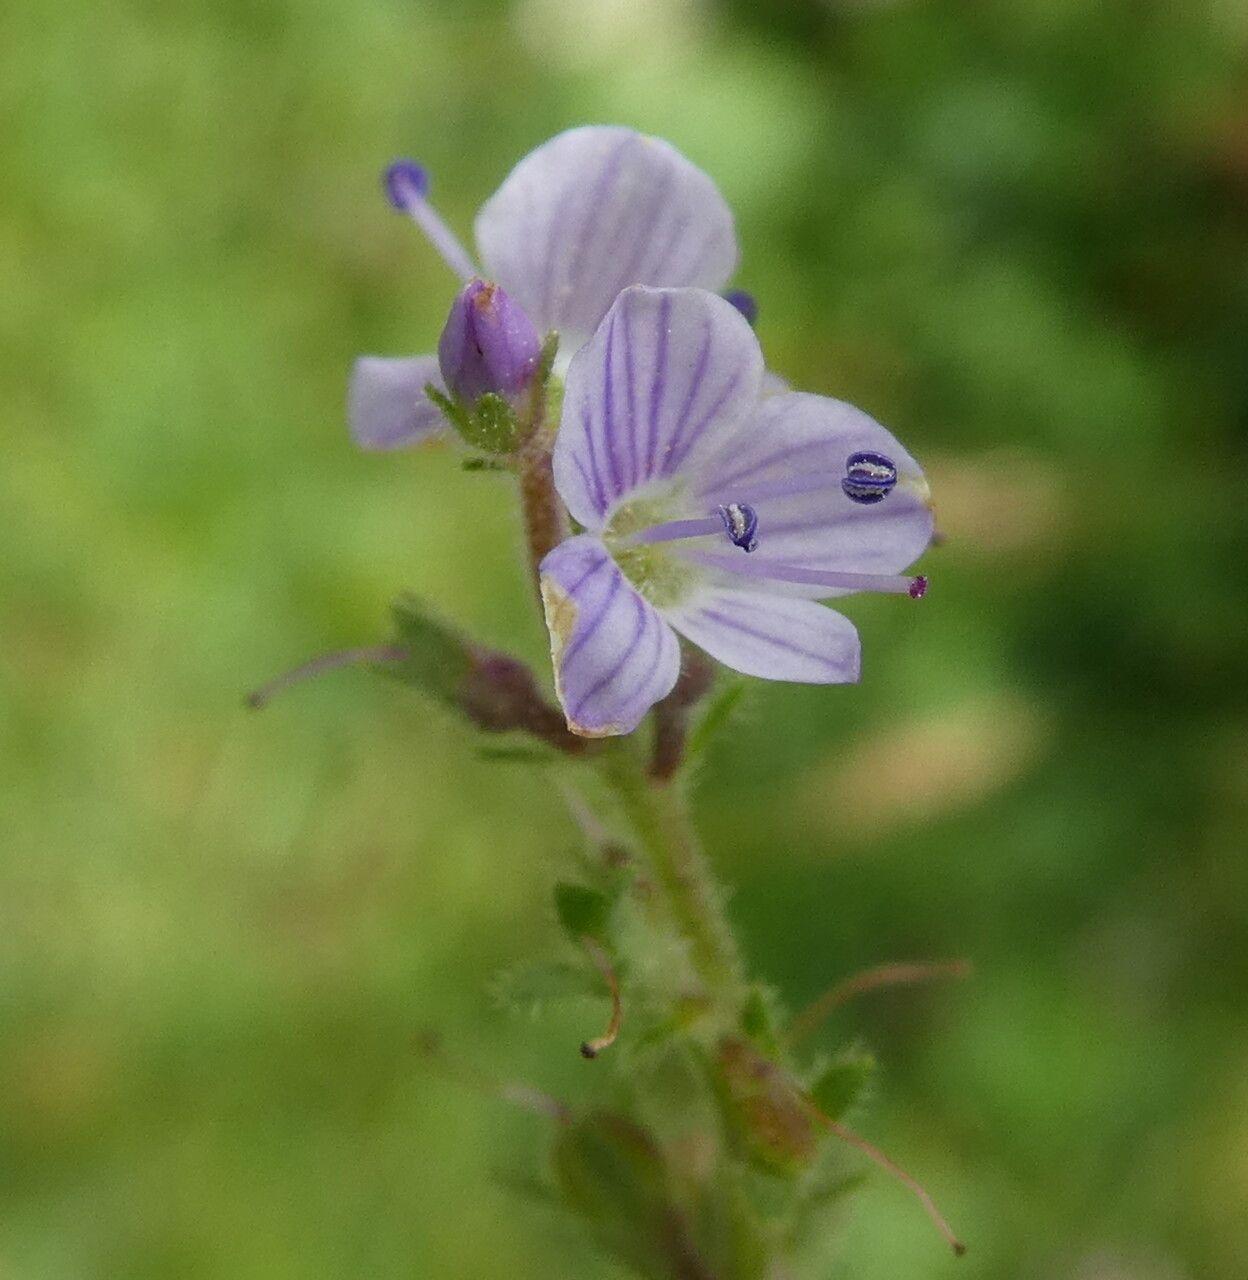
(591, 482)
(606, 179)
(727, 620)
(695, 386)
(659, 386)
(631, 392)
(604, 681)
(589, 573)
(609, 431)
(662, 269)
(642, 237)
(681, 452)
(769, 460)
(587, 432)
(588, 630)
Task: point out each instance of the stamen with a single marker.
(592, 1048)
(907, 1180)
(262, 696)
(899, 584)
(740, 524)
(737, 519)
(744, 302)
(869, 477)
(407, 185)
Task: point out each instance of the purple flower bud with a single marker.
(744, 302)
(488, 344)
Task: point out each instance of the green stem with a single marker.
(658, 816)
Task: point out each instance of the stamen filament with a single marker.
(405, 184)
(898, 584)
(674, 530)
(907, 1180)
(265, 694)
(592, 1048)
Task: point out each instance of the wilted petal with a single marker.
(669, 374)
(597, 209)
(804, 441)
(614, 656)
(386, 403)
(776, 637)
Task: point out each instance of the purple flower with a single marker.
(588, 213)
(712, 506)
(488, 344)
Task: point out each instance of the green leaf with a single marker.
(718, 712)
(758, 1020)
(612, 1173)
(843, 1083)
(582, 912)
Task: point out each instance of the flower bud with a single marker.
(488, 345)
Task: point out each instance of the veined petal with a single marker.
(804, 441)
(386, 403)
(614, 656)
(594, 210)
(667, 376)
(776, 637)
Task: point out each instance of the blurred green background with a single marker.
(1014, 230)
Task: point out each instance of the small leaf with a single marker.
(582, 912)
(842, 1084)
(718, 712)
(758, 1020)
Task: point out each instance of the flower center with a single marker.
(662, 578)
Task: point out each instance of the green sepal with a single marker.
(582, 912)
(611, 1172)
(842, 1084)
(765, 1115)
(437, 658)
(452, 412)
(546, 358)
(492, 425)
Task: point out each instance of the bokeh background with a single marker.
(1014, 230)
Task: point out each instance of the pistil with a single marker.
(407, 185)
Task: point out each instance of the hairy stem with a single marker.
(658, 816)
(545, 520)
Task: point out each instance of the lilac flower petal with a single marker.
(802, 443)
(614, 656)
(597, 209)
(386, 403)
(775, 637)
(668, 374)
